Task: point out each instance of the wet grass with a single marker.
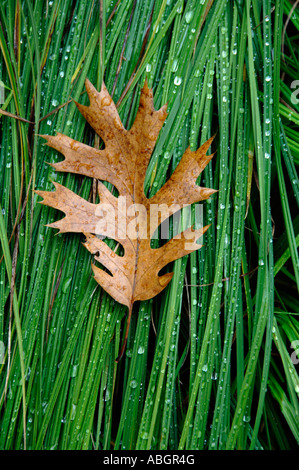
(210, 363)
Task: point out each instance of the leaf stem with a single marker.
(126, 334)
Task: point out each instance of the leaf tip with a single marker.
(165, 279)
(44, 136)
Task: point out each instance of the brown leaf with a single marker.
(131, 218)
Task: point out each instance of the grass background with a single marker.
(211, 362)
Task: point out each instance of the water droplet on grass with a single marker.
(174, 65)
(177, 81)
(189, 16)
(133, 383)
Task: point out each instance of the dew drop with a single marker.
(74, 370)
(106, 101)
(177, 81)
(174, 65)
(133, 383)
(189, 16)
(117, 122)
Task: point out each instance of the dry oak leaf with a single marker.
(123, 162)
